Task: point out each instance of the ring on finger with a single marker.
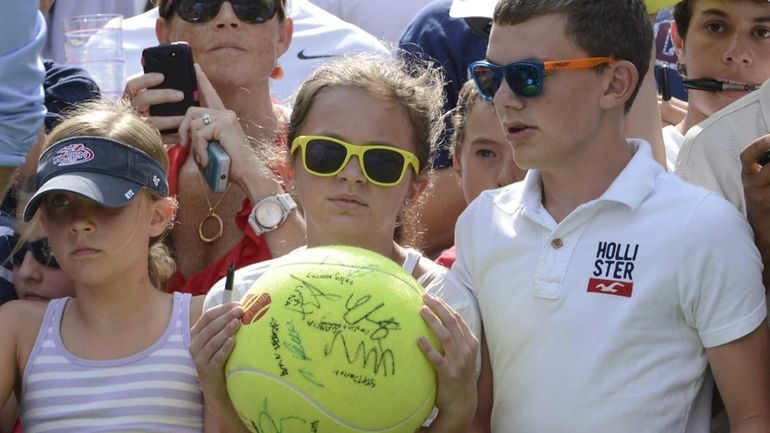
(206, 118)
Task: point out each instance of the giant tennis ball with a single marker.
(656, 5)
(328, 344)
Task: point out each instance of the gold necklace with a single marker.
(212, 215)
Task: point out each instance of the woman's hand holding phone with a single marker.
(221, 125)
(140, 94)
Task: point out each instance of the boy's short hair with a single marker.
(683, 14)
(620, 29)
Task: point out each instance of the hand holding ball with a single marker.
(328, 343)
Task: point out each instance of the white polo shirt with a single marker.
(599, 323)
(711, 153)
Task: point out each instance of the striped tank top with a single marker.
(155, 390)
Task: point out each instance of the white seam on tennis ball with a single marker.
(322, 409)
(380, 271)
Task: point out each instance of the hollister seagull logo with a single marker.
(612, 288)
(73, 154)
(614, 269)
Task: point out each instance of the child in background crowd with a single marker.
(481, 156)
(718, 44)
(36, 276)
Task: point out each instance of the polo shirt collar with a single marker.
(634, 183)
(763, 94)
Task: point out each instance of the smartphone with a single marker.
(175, 62)
(217, 173)
(764, 157)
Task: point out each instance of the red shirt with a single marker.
(252, 248)
(447, 257)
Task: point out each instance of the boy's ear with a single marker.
(457, 168)
(622, 78)
(162, 213)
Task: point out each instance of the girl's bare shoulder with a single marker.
(20, 322)
(22, 314)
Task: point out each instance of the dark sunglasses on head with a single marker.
(40, 249)
(380, 165)
(524, 78)
(201, 11)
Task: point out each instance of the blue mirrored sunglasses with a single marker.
(525, 78)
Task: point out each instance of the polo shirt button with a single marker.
(557, 243)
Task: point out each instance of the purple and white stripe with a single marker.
(155, 390)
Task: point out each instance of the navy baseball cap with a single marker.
(104, 170)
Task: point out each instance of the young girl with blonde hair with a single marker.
(113, 358)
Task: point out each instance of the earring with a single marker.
(406, 202)
(277, 73)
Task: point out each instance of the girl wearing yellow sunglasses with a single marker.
(359, 145)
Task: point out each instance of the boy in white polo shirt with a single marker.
(606, 285)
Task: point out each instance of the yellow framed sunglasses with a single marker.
(380, 165)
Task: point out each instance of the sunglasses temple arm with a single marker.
(577, 63)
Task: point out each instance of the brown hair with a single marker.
(466, 99)
(619, 29)
(415, 85)
(118, 121)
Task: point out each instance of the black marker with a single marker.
(711, 85)
(227, 296)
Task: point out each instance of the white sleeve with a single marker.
(464, 248)
(22, 35)
(720, 273)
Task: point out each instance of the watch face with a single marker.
(269, 214)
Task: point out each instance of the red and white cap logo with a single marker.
(73, 154)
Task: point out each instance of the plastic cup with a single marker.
(95, 43)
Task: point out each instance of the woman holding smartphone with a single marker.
(236, 46)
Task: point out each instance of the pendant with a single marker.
(220, 230)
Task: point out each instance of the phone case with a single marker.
(217, 172)
(175, 62)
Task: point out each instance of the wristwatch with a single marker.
(270, 212)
